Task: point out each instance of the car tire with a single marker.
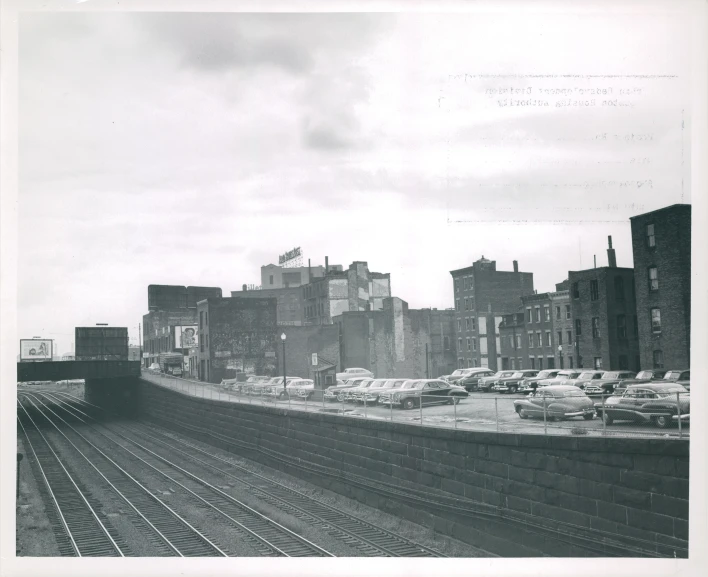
(522, 414)
(607, 419)
(589, 417)
(409, 404)
(340, 397)
(662, 421)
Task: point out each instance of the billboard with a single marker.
(36, 350)
(186, 337)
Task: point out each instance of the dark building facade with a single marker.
(548, 319)
(309, 350)
(605, 317)
(483, 295)
(393, 342)
(172, 297)
(290, 303)
(661, 245)
(101, 344)
(237, 335)
(514, 345)
(354, 289)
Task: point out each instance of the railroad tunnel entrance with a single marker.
(117, 395)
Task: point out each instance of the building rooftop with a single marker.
(670, 207)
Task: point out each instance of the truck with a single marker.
(171, 363)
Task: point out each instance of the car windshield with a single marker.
(645, 375)
(505, 375)
(586, 375)
(664, 391)
(409, 385)
(610, 375)
(673, 375)
(389, 384)
(544, 374)
(457, 373)
(517, 375)
(577, 393)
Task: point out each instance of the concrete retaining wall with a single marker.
(512, 494)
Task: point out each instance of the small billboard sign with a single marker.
(186, 337)
(36, 349)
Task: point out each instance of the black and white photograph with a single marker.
(363, 281)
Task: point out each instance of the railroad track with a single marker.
(173, 530)
(273, 538)
(368, 538)
(79, 529)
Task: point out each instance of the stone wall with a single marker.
(511, 494)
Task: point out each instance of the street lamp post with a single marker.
(285, 379)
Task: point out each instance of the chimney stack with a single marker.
(516, 266)
(326, 265)
(611, 257)
(594, 260)
(309, 272)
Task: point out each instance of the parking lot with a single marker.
(480, 411)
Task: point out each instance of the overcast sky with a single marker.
(191, 149)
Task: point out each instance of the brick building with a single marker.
(661, 245)
(290, 308)
(302, 342)
(393, 342)
(173, 297)
(237, 335)
(275, 277)
(514, 345)
(604, 316)
(355, 289)
(483, 295)
(548, 325)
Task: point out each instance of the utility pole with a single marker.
(427, 368)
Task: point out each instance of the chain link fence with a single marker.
(640, 412)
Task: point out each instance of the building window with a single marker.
(547, 312)
(468, 323)
(457, 285)
(595, 327)
(529, 317)
(619, 288)
(569, 336)
(474, 324)
(539, 342)
(459, 345)
(576, 290)
(460, 363)
(580, 362)
(551, 363)
(530, 340)
(459, 325)
(469, 344)
(466, 283)
(562, 364)
(594, 290)
(558, 313)
(467, 304)
(540, 363)
(651, 239)
(655, 320)
(271, 279)
(474, 344)
(513, 364)
(570, 362)
(533, 362)
(538, 314)
(623, 363)
(636, 326)
(548, 338)
(560, 337)
(658, 360)
(446, 343)
(201, 319)
(567, 312)
(518, 342)
(621, 327)
(457, 304)
(578, 327)
(653, 279)
(597, 363)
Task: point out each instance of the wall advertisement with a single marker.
(36, 349)
(186, 337)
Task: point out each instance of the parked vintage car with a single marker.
(470, 381)
(557, 402)
(273, 387)
(337, 392)
(650, 402)
(460, 374)
(526, 386)
(357, 394)
(511, 384)
(486, 383)
(372, 393)
(154, 367)
(386, 397)
(303, 389)
(350, 394)
(561, 378)
(584, 378)
(354, 373)
(680, 377)
(427, 391)
(609, 381)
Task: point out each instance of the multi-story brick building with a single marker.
(290, 303)
(661, 245)
(355, 289)
(604, 316)
(237, 335)
(514, 345)
(173, 314)
(483, 295)
(276, 277)
(393, 342)
(548, 322)
(309, 350)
